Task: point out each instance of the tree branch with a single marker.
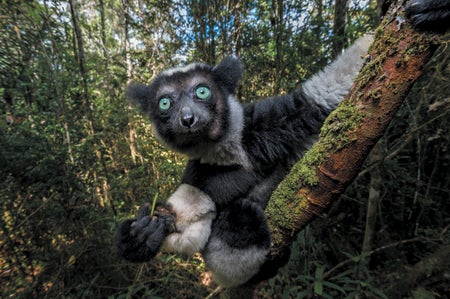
(435, 263)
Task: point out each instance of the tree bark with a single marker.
(373, 201)
(79, 54)
(340, 11)
(126, 39)
(278, 29)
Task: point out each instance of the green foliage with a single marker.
(75, 158)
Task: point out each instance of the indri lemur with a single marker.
(237, 155)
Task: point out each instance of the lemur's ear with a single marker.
(138, 95)
(229, 71)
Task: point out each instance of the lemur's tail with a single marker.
(329, 86)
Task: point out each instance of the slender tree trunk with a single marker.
(374, 200)
(238, 27)
(212, 10)
(278, 29)
(79, 54)
(129, 67)
(126, 39)
(204, 23)
(103, 33)
(372, 210)
(339, 37)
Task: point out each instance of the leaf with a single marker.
(342, 274)
(319, 272)
(334, 286)
(72, 260)
(378, 292)
(154, 204)
(318, 287)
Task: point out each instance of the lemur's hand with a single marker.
(429, 14)
(138, 240)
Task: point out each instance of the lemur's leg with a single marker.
(239, 243)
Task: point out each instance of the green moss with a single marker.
(284, 194)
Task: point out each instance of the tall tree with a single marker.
(79, 53)
(339, 38)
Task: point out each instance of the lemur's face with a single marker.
(188, 106)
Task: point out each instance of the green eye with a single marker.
(203, 93)
(164, 104)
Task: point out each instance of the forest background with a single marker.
(76, 158)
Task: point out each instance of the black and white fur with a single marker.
(237, 156)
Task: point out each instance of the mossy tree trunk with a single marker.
(394, 62)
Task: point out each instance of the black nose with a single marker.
(188, 118)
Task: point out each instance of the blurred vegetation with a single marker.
(76, 159)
